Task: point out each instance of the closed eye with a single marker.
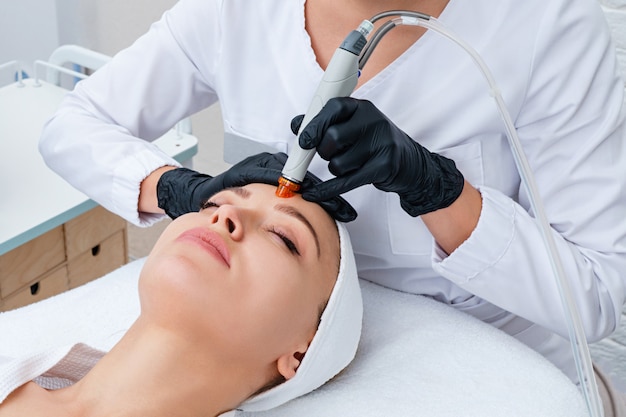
(285, 239)
(288, 242)
(208, 204)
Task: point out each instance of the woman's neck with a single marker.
(150, 372)
(327, 33)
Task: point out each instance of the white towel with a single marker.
(416, 357)
(97, 314)
(420, 358)
(53, 368)
(46, 336)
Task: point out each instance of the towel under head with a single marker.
(335, 343)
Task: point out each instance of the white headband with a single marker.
(334, 345)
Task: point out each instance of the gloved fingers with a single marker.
(355, 158)
(176, 191)
(254, 175)
(335, 111)
(280, 157)
(366, 126)
(266, 168)
(335, 205)
(262, 160)
(339, 209)
(338, 138)
(334, 187)
(183, 190)
(296, 122)
(263, 167)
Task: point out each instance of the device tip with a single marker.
(286, 188)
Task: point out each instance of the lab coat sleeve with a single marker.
(99, 139)
(572, 130)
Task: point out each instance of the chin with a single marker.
(168, 279)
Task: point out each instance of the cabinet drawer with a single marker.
(90, 229)
(98, 260)
(25, 263)
(51, 284)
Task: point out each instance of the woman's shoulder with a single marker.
(29, 400)
(52, 368)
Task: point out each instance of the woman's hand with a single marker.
(183, 190)
(364, 147)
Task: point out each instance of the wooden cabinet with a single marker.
(70, 255)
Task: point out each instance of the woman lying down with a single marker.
(248, 303)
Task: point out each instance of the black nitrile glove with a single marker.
(364, 147)
(183, 190)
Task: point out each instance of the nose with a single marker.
(229, 218)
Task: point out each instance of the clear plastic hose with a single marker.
(575, 329)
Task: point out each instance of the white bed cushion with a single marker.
(420, 358)
(417, 357)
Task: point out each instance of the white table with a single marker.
(34, 199)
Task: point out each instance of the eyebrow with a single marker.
(295, 213)
(284, 208)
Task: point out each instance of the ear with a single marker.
(288, 364)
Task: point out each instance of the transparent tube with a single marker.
(573, 321)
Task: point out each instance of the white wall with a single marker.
(28, 31)
(107, 26)
(32, 29)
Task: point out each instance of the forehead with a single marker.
(263, 197)
(266, 194)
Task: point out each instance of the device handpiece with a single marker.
(339, 80)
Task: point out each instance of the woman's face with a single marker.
(247, 274)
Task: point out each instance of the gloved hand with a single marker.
(364, 147)
(183, 190)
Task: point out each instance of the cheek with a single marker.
(175, 228)
(265, 300)
(281, 299)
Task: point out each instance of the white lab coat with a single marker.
(556, 68)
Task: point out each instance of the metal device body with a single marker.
(339, 80)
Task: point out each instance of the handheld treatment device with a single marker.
(339, 80)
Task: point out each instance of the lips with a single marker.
(209, 241)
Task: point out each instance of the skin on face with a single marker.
(245, 277)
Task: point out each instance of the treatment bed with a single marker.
(417, 357)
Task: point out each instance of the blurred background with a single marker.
(36, 27)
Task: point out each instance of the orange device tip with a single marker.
(286, 188)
